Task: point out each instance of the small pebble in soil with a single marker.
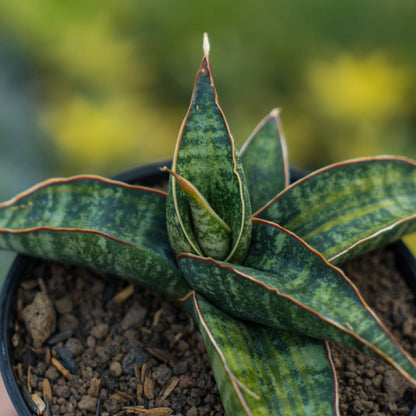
(40, 319)
(115, 369)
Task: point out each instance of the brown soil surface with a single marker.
(144, 351)
(368, 386)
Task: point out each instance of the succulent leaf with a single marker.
(212, 233)
(206, 156)
(95, 222)
(271, 372)
(285, 284)
(265, 161)
(349, 208)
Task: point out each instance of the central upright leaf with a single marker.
(206, 156)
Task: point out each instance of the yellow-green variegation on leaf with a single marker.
(248, 255)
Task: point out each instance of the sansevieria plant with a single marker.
(252, 258)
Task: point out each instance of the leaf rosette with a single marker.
(263, 289)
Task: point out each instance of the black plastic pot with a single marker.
(149, 175)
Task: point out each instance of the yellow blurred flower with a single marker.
(109, 134)
(369, 88)
(94, 54)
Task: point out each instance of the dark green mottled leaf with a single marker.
(98, 223)
(349, 208)
(261, 371)
(205, 155)
(265, 162)
(285, 284)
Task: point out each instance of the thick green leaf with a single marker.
(351, 207)
(261, 371)
(285, 284)
(265, 161)
(98, 223)
(206, 156)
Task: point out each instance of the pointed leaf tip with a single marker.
(206, 45)
(275, 112)
(265, 160)
(185, 185)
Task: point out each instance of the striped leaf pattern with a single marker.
(294, 289)
(270, 372)
(351, 207)
(95, 222)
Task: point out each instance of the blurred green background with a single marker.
(100, 86)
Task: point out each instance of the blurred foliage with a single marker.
(115, 77)
(111, 81)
